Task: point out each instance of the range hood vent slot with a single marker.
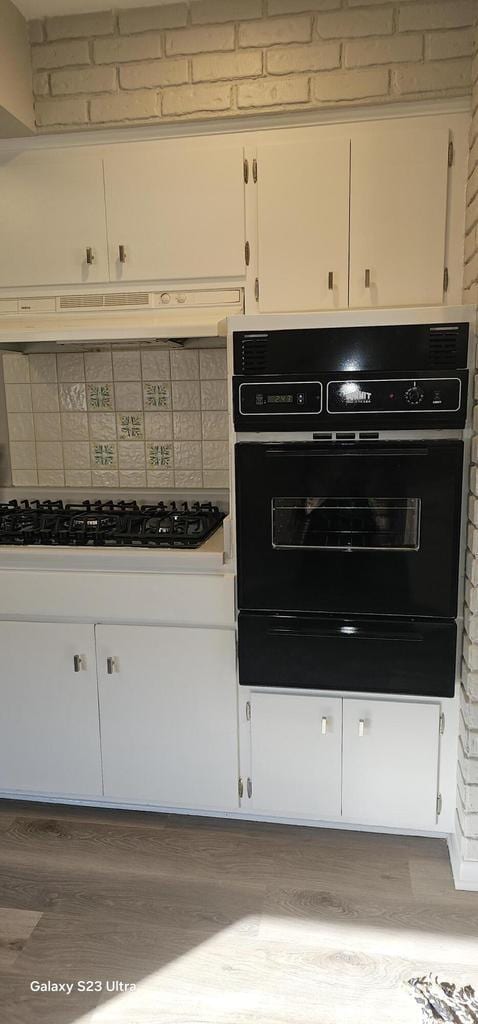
(111, 300)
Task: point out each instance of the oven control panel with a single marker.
(394, 395)
(283, 398)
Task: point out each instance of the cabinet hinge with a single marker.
(442, 724)
(254, 170)
(246, 171)
(249, 788)
(240, 788)
(446, 279)
(451, 153)
(256, 289)
(247, 253)
(248, 711)
(439, 803)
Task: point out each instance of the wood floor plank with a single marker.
(16, 927)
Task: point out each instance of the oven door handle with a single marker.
(343, 633)
(341, 452)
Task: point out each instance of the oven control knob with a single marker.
(414, 395)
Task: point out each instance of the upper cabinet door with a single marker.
(52, 218)
(175, 210)
(398, 217)
(303, 225)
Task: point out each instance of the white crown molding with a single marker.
(241, 123)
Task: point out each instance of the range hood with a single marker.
(116, 315)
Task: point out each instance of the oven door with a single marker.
(357, 528)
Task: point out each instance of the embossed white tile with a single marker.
(98, 366)
(186, 395)
(126, 366)
(47, 426)
(214, 394)
(187, 455)
(155, 364)
(45, 398)
(213, 363)
(130, 426)
(105, 478)
(51, 478)
(49, 455)
(183, 478)
(70, 366)
(23, 455)
(158, 426)
(159, 455)
(42, 368)
(132, 455)
(18, 397)
(160, 478)
(104, 455)
(76, 455)
(215, 426)
(78, 478)
(100, 395)
(215, 455)
(216, 478)
(74, 426)
(132, 478)
(72, 397)
(24, 478)
(157, 394)
(184, 364)
(129, 396)
(20, 426)
(16, 369)
(187, 426)
(102, 426)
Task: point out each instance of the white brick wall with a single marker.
(224, 57)
(468, 749)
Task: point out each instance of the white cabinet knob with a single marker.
(361, 727)
(324, 726)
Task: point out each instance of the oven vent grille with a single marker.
(254, 355)
(443, 349)
(110, 300)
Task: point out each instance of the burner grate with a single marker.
(108, 523)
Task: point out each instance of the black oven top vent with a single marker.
(443, 348)
(254, 355)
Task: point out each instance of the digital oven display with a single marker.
(279, 399)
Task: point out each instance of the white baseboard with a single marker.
(465, 872)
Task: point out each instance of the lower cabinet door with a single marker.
(390, 763)
(49, 730)
(296, 745)
(168, 715)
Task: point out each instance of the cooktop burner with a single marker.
(108, 523)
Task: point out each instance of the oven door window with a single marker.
(347, 524)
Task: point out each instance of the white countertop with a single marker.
(210, 557)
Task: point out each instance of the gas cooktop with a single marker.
(108, 523)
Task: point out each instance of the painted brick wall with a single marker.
(468, 749)
(211, 58)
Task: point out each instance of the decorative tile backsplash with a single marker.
(128, 418)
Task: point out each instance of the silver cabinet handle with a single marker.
(324, 726)
(361, 727)
(111, 666)
(90, 256)
(79, 663)
(367, 278)
(330, 280)
(122, 253)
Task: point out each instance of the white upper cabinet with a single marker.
(303, 223)
(390, 763)
(168, 715)
(52, 218)
(398, 216)
(296, 745)
(175, 210)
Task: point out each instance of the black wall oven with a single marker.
(348, 525)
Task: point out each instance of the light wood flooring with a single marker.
(221, 922)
